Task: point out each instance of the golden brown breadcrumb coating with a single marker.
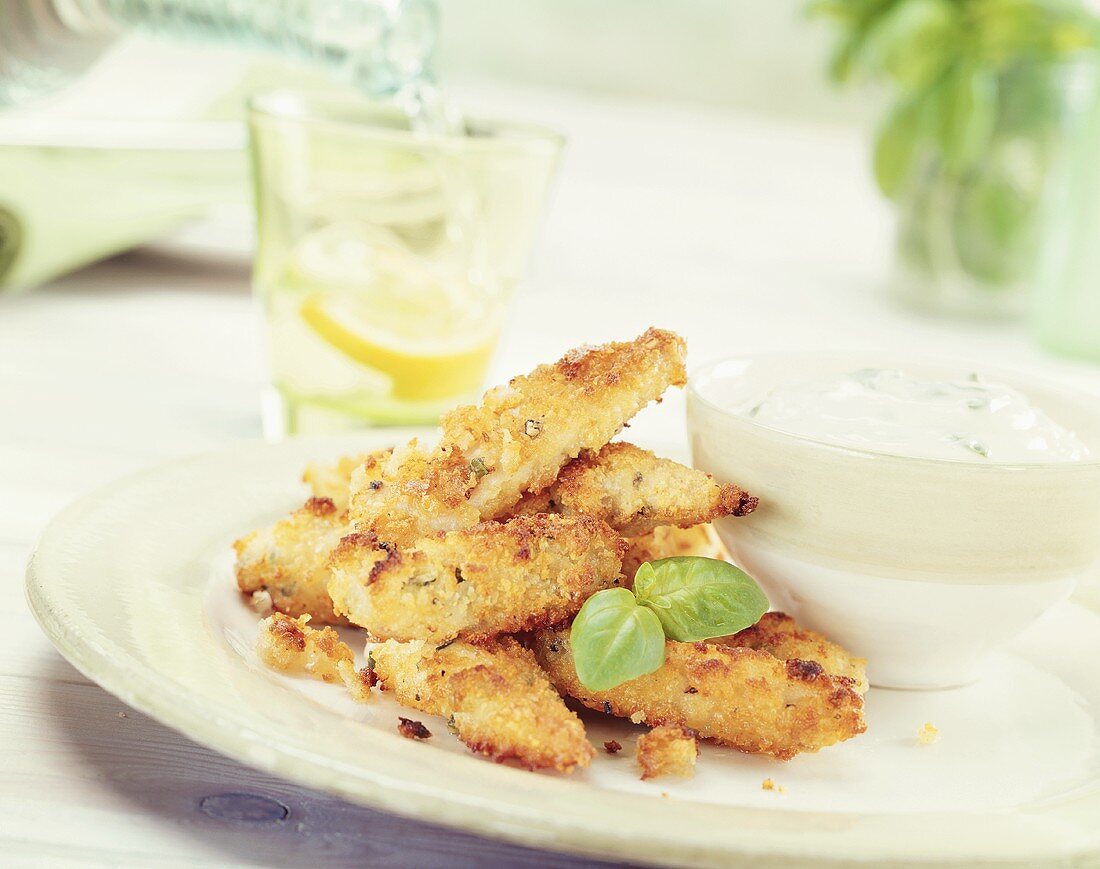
(292, 646)
(517, 440)
(634, 491)
(737, 696)
(779, 635)
(668, 541)
(289, 559)
(667, 749)
(333, 480)
(494, 696)
(493, 578)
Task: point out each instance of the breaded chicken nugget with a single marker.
(778, 634)
(333, 481)
(289, 560)
(745, 698)
(667, 750)
(494, 696)
(292, 646)
(516, 440)
(668, 541)
(490, 579)
(634, 491)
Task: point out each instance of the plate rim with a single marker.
(134, 682)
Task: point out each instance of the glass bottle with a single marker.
(383, 47)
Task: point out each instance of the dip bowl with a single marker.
(923, 566)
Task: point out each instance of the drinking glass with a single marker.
(387, 251)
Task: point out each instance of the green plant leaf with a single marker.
(897, 145)
(699, 598)
(615, 640)
(968, 116)
(914, 42)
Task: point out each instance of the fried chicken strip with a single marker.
(493, 578)
(779, 635)
(494, 696)
(292, 646)
(333, 480)
(289, 559)
(738, 696)
(517, 440)
(668, 541)
(634, 492)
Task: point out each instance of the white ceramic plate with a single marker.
(134, 585)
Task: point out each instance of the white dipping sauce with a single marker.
(887, 410)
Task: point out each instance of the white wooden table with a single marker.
(740, 234)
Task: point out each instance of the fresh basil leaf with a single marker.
(614, 640)
(699, 598)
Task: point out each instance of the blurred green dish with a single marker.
(75, 192)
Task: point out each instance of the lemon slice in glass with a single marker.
(390, 311)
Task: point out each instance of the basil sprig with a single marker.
(699, 598)
(615, 639)
(620, 634)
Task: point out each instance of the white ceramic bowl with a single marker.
(921, 565)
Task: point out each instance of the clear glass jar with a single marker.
(970, 241)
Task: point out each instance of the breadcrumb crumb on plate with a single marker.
(667, 750)
(928, 734)
(291, 646)
(410, 728)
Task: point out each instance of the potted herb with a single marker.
(985, 95)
